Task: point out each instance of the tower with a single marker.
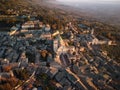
(92, 31)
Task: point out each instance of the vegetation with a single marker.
(110, 32)
(13, 11)
(30, 56)
(7, 68)
(113, 51)
(12, 4)
(21, 74)
(8, 84)
(44, 81)
(44, 54)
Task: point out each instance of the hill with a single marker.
(18, 11)
(13, 4)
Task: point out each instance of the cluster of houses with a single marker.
(72, 66)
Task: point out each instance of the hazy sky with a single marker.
(90, 0)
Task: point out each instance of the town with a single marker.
(33, 56)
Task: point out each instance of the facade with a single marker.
(47, 28)
(28, 36)
(46, 36)
(29, 24)
(55, 45)
(23, 30)
(13, 28)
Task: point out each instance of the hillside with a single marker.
(13, 4)
(13, 12)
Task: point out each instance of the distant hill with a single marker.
(13, 11)
(5, 4)
(13, 4)
(108, 12)
(19, 4)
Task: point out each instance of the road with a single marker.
(24, 82)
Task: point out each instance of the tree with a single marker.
(5, 87)
(7, 68)
(44, 54)
(21, 74)
(30, 56)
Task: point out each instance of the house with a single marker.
(34, 88)
(4, 75)
(86, 31)
(92, 31)
(110, 42)
(36, 25)
(62, 49)
(71, 77)
(71, 48)
(68, 87)
(104, 53)
(82, 49)
(23, 58)
(36, 21)
(55, 45)
(66, 28)
(11, 73)
(28, 35)
(14, 28)
(14, 65)
(29, 24)
(72, 58)
(39, 88)
(49, 57)
(95, 41)
(12, 32)
(47, 28)
(52, 72)
(24, 26)
(83, 26)
(24, 30)
(65, 82)
(59, 86)
(5, 61)
(60, 75)
(63, 60)
(40, 24)
(46, 36)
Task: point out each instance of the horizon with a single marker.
(93, 1)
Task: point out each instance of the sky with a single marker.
(114, 1)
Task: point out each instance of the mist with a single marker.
(104, 10)
(92, 1)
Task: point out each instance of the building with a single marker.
(14, 28)
(66, 28)
(53, 71)
(5, 61)
(83, 26)
(40, 24)
(23, 30)
(55, 45)
(82, 49)
(46, 36)
(23, 58)
(92, 32)
(29, 24)
(47, 28)
(28, 35)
